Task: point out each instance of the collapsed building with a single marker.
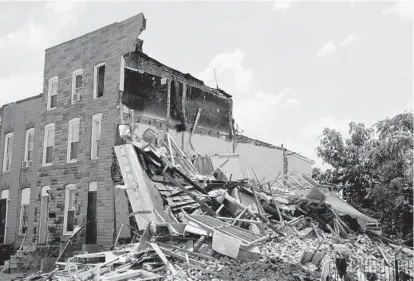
(122, 162)
(57, 166)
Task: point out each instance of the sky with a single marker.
(293, 68)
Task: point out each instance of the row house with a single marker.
(57, 162)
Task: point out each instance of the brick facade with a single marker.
(106, 45)
(117, 45)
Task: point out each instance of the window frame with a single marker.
(68, 189)
(22, 205)
(70, 134)
(95, 79)
(49, 91)
(48, 127)
(6, 148)
(94, 150)
(27, 144)
(77, 72)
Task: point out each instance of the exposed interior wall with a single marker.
(204, 144)
(16, 119)
(299, 164)
(261, 159)
(157, 91)
(146, 93)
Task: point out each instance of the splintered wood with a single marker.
(191, 225)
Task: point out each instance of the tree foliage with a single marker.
(373, 167)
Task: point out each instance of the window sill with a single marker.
(71, 161)
(49, 109)
(94, 160)
(47, 164)
(6, 172)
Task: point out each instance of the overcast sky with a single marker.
(293, 68)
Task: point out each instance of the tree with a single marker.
(374, 169)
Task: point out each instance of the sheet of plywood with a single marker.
(121, 209)
(142, 194)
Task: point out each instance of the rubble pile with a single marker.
(192, 222)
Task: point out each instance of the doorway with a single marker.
(91, 230)
(3, 215)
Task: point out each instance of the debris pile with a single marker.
(193, 223)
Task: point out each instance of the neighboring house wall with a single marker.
(105, 45)
(266, 162)
(17, 118)
(299, 164)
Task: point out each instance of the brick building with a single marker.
(57, 147)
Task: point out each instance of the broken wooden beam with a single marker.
(163, 258)
(180, 186)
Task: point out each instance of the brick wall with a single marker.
(216, 105)
(107, 45)
(17, 118)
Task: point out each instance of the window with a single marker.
(48, 144)
(69, 215)
(99, 80)
(24, 210)
(7, 157)
(52, 93)
(77, 85)
(28, 148)
(96, 135)
(73, 140)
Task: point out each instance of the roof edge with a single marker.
(23, 100)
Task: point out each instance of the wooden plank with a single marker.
(239, 220)
(381, 251)
(142, 193)
(186, 251)
(343, 224)
(163, 258)
(119, 233)
(276, 205)
(240, 215)
(202, 204)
